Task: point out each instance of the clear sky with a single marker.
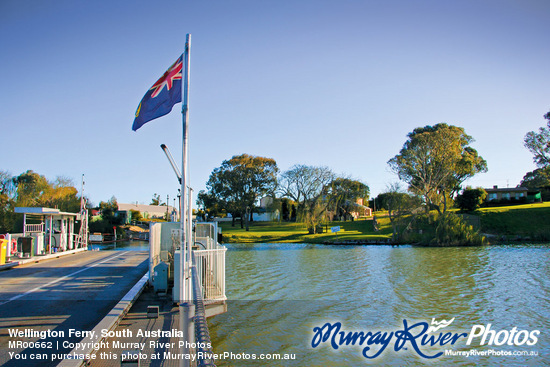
(332, 83)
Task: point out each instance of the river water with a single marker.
(278, 294)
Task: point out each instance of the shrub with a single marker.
(471, 199)
(451, 230)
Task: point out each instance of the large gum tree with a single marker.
(240, 181)
(538, 143)
(435, 161)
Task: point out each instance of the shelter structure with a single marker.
(47, 230)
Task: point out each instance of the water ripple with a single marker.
(279, 292)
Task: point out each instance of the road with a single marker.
(69, 293)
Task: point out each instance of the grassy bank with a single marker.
(273, 232)
(525, 222)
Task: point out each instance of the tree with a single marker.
(156, 200)
(342, 194)
(313, 218)
(109, 211)
(471, 199)
(108, 218)
(399, 204)
(210, 204)
(435, 161)
(34, 190)
(536, 179)
(7, 202)
(61, 195)
(7, 186)
(30, 188)
(539, 144)
(135, 215)
(240, 181)
(452, 230)
(288, 210)
(306, 185)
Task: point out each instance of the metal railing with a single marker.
(79, 241)
(207, 285)
(202, 335)
(34, 228)
(211, 272)
(205, 243)
(206, 229)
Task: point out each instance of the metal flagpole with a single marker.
(184, 173)
(184, 305)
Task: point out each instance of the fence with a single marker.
(202, 335)
(211, 271)
(34, 228)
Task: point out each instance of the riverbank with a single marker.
(529, 222)
(506, 223)
(274, 232)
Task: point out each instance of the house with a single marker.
(353, 211)
(147, 211)
(514, 195)
(362, 210)
(266, 211)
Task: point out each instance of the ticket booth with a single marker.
(52, 230)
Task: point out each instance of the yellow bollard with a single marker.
(3, 251)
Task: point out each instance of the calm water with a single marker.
(279, 292)
(122, 245)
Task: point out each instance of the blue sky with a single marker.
(333, 83)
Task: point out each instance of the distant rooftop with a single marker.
(145, 208)
(507, 189)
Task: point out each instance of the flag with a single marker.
(161, 97)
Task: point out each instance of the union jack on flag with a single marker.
(161, 97)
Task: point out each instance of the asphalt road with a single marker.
(69, 293)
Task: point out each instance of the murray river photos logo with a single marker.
(421, 337)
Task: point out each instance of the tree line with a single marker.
(31, 189)
(305, 193)
(538, 143)
(434, 163)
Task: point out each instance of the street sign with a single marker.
(335, 229)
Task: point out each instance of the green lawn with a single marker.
(273, 232)
(526, 221)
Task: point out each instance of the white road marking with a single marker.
(60, 279)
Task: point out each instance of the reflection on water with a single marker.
(121, 245)
(279, 292)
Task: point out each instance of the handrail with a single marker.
(211, 269)
(34, 228)
(202, 336)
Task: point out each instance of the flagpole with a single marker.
(184, 173)
(185, 236)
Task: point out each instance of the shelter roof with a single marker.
(42, 211)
